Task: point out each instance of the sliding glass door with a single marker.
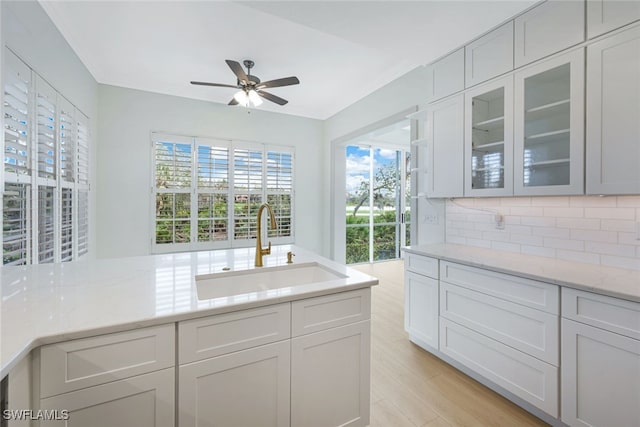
(377, 202)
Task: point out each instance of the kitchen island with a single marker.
(55, 316)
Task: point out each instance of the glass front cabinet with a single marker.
(489, 139)
(549, 127)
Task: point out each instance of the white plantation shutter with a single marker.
(17, 90)
(68, 141)
(15, 224)
(247, 191)
(46, 131)
(207, 192)
(46, 224)
(82, 153)
(46, 170)
(173, 158)
(280, 189)
(212, 177)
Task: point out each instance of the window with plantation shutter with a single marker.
(17, 90)
(15, 221)
(207, 192)
(46, 233)
(46, 170)
(247, 188)
(173, 181)
(279, 190)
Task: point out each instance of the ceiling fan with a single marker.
(251, 88)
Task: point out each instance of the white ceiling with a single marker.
(340, 50)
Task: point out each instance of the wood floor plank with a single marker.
(412, 387)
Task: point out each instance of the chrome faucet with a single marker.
(259, 250)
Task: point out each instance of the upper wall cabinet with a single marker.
(607, 15)
(448, 74)
(490, 55)
(445, 151)
(488, 139)
(613, 109)
(549, 127)
(547, 29)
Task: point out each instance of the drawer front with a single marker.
(421, 265)
(77, 364)
(320, 313)
(225, 333)
(531, 293)
(142, 401)
(526, 329)
(613, 314)
(527, 377)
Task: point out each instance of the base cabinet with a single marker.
(600, 377)
(246, 388)
(330, 377)
(142, 401)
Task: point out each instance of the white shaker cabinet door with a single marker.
(444, 164)
(421, 308)
(490, 55)
(607, 15)
(548, 28)
(448, 74)
(600, 377)
(246, 388)
(330, 377)
(613, 111)
(142, 401)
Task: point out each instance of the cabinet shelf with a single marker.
(548, 110)
(488, 168)
(487, 125)
(548, 163)
(486, 147)
(546, 137)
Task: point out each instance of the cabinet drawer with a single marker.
(320, 313)
(82, 363)
(225, 333)
(548, 28)
(613, 314)
(421, 265)
(142, 401)
(531, 293)
(490, 55)
(526, 329)
(525, 376)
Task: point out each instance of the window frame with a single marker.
(231, 192)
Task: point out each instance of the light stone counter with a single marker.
(616, 282)
(43, 304)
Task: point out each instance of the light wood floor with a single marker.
(409, 386)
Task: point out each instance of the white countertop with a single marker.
(616, 282)
(49, 303)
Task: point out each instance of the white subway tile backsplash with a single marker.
(610, 213)
(589, 229)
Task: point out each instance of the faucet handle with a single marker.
(268, 250)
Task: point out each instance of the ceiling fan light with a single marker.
(242, 98)
(255, 98)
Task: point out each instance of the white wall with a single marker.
(128, 116)
(28, 31)
(596, 230)
(401, 94)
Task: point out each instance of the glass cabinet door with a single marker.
(489, 139)
(549, 134)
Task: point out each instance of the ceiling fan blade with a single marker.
(237, 70)
(213, 84)
(272, 98)
(233, 102)
(286, 81)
